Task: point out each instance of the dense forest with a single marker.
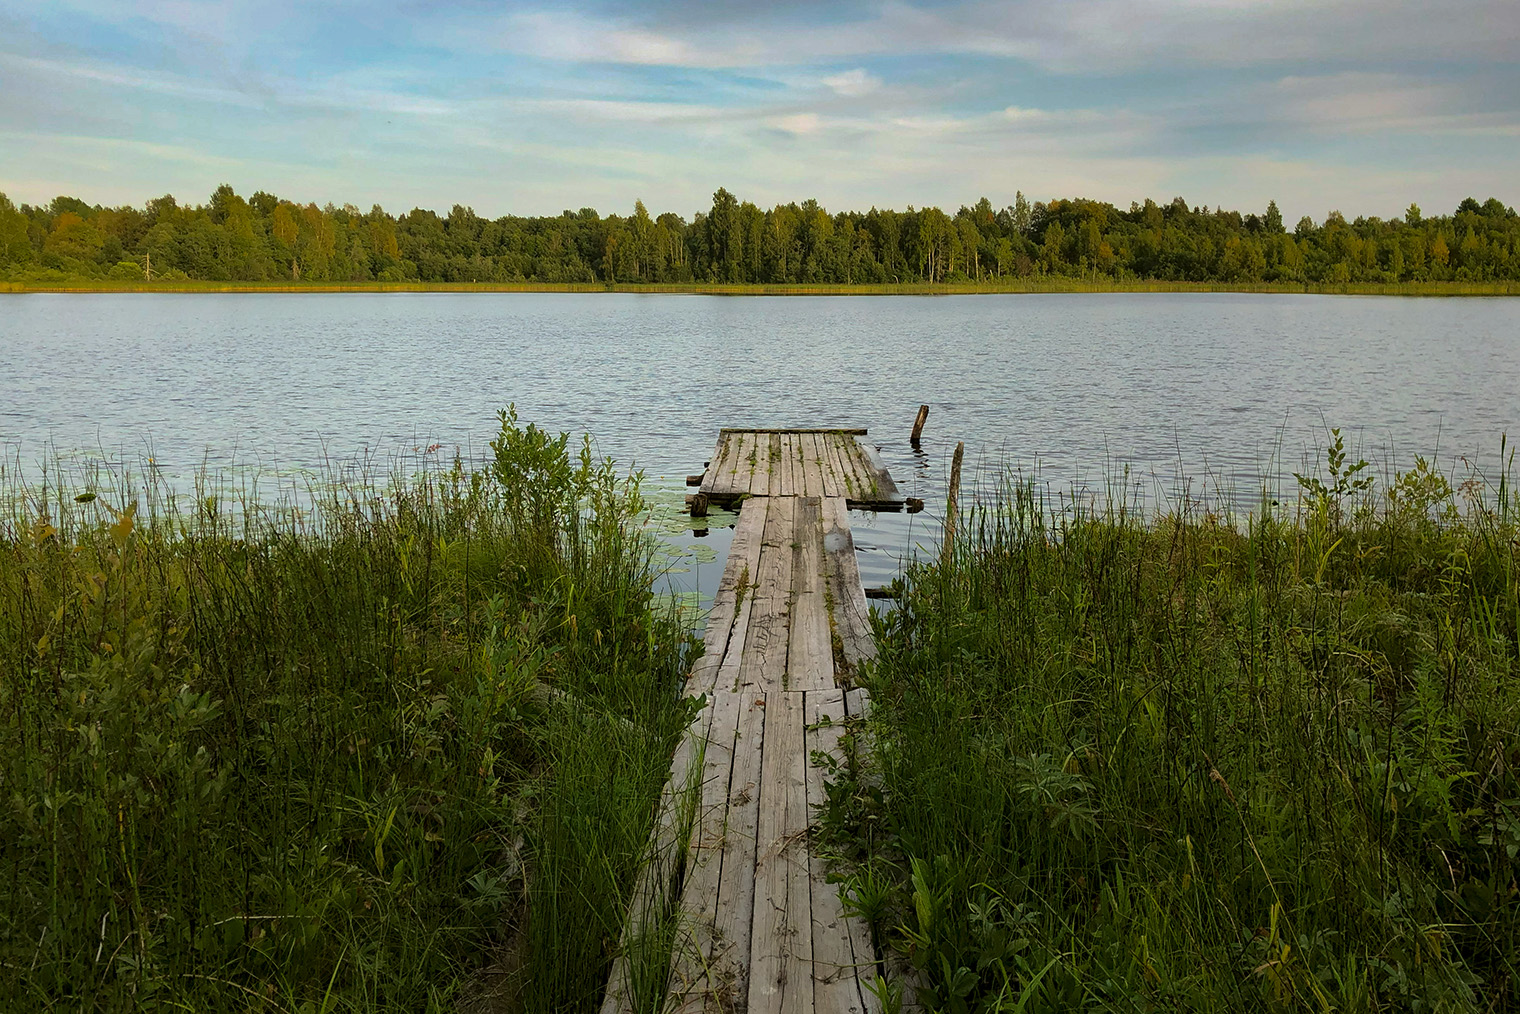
(264, 238)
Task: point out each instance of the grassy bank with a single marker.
(1045, 283)
(399, 752)
(1130, 764)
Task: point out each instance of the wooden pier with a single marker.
(758, 928)
(830, 464)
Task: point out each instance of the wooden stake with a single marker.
(952, 506)
(918, 425)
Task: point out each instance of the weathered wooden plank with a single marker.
(886, 488)
(799, 474)
(852, 615)
(799, 452)
(695, 982)
(860, 468)
(843, 450)
(735, 462)
(810, 657)
(857, 702)
(781, 946)
(765, 645)
(805, 429)
(777, 485)
(734, 587)
(755, 460)
(760, 465)
(797, 960)
(835, 478)
(728, 469)
(837, 967)
(812, 470)
(746, 583)
(719, 474)
(743, 462)
(831, 482)
(783, 482)
(733, 925)
(654, 888)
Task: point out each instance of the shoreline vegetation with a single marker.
(402, 750)
(1124, 761)
(399, 749)
(1030, 286)
(736, 247)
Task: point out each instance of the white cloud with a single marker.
(1067, 36)
(797, 123)
(616, 111)
(853, 83)
(63, 72)
(1369, 103)
(572, 37)
(1226, 101)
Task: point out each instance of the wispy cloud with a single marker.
(16, 67)
(882, 101)
(853, 83)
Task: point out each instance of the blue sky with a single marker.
(1360, 107)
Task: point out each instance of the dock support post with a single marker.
(918, 425)
(952, 504)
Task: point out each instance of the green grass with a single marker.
(1201, 763)
(400, 751)
(1033, 284)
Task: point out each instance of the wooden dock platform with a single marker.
(758, 928)
(808, 463)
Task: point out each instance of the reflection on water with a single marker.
(1196, 394)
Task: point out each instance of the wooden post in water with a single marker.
(918, 425)
(952, 503)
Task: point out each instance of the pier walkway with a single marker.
(758, 928)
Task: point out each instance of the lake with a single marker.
(1196, 392)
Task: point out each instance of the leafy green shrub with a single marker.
(1184, 764)
(256, 759)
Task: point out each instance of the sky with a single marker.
(534, 108)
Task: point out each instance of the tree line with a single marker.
(264, 238)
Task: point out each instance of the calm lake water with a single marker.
(1205, 393)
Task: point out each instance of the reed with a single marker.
(398, 750)
(1203, 762)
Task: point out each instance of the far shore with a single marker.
(1020, 285)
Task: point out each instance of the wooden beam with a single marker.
(810, 654)
(852, 616)
(885, 487)
(918, 425)
(838, 966)
(724, 627)
(781, 944)
(697, 973)
(763, 662)
(734, 923)
(952, 502)
(812, 465)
